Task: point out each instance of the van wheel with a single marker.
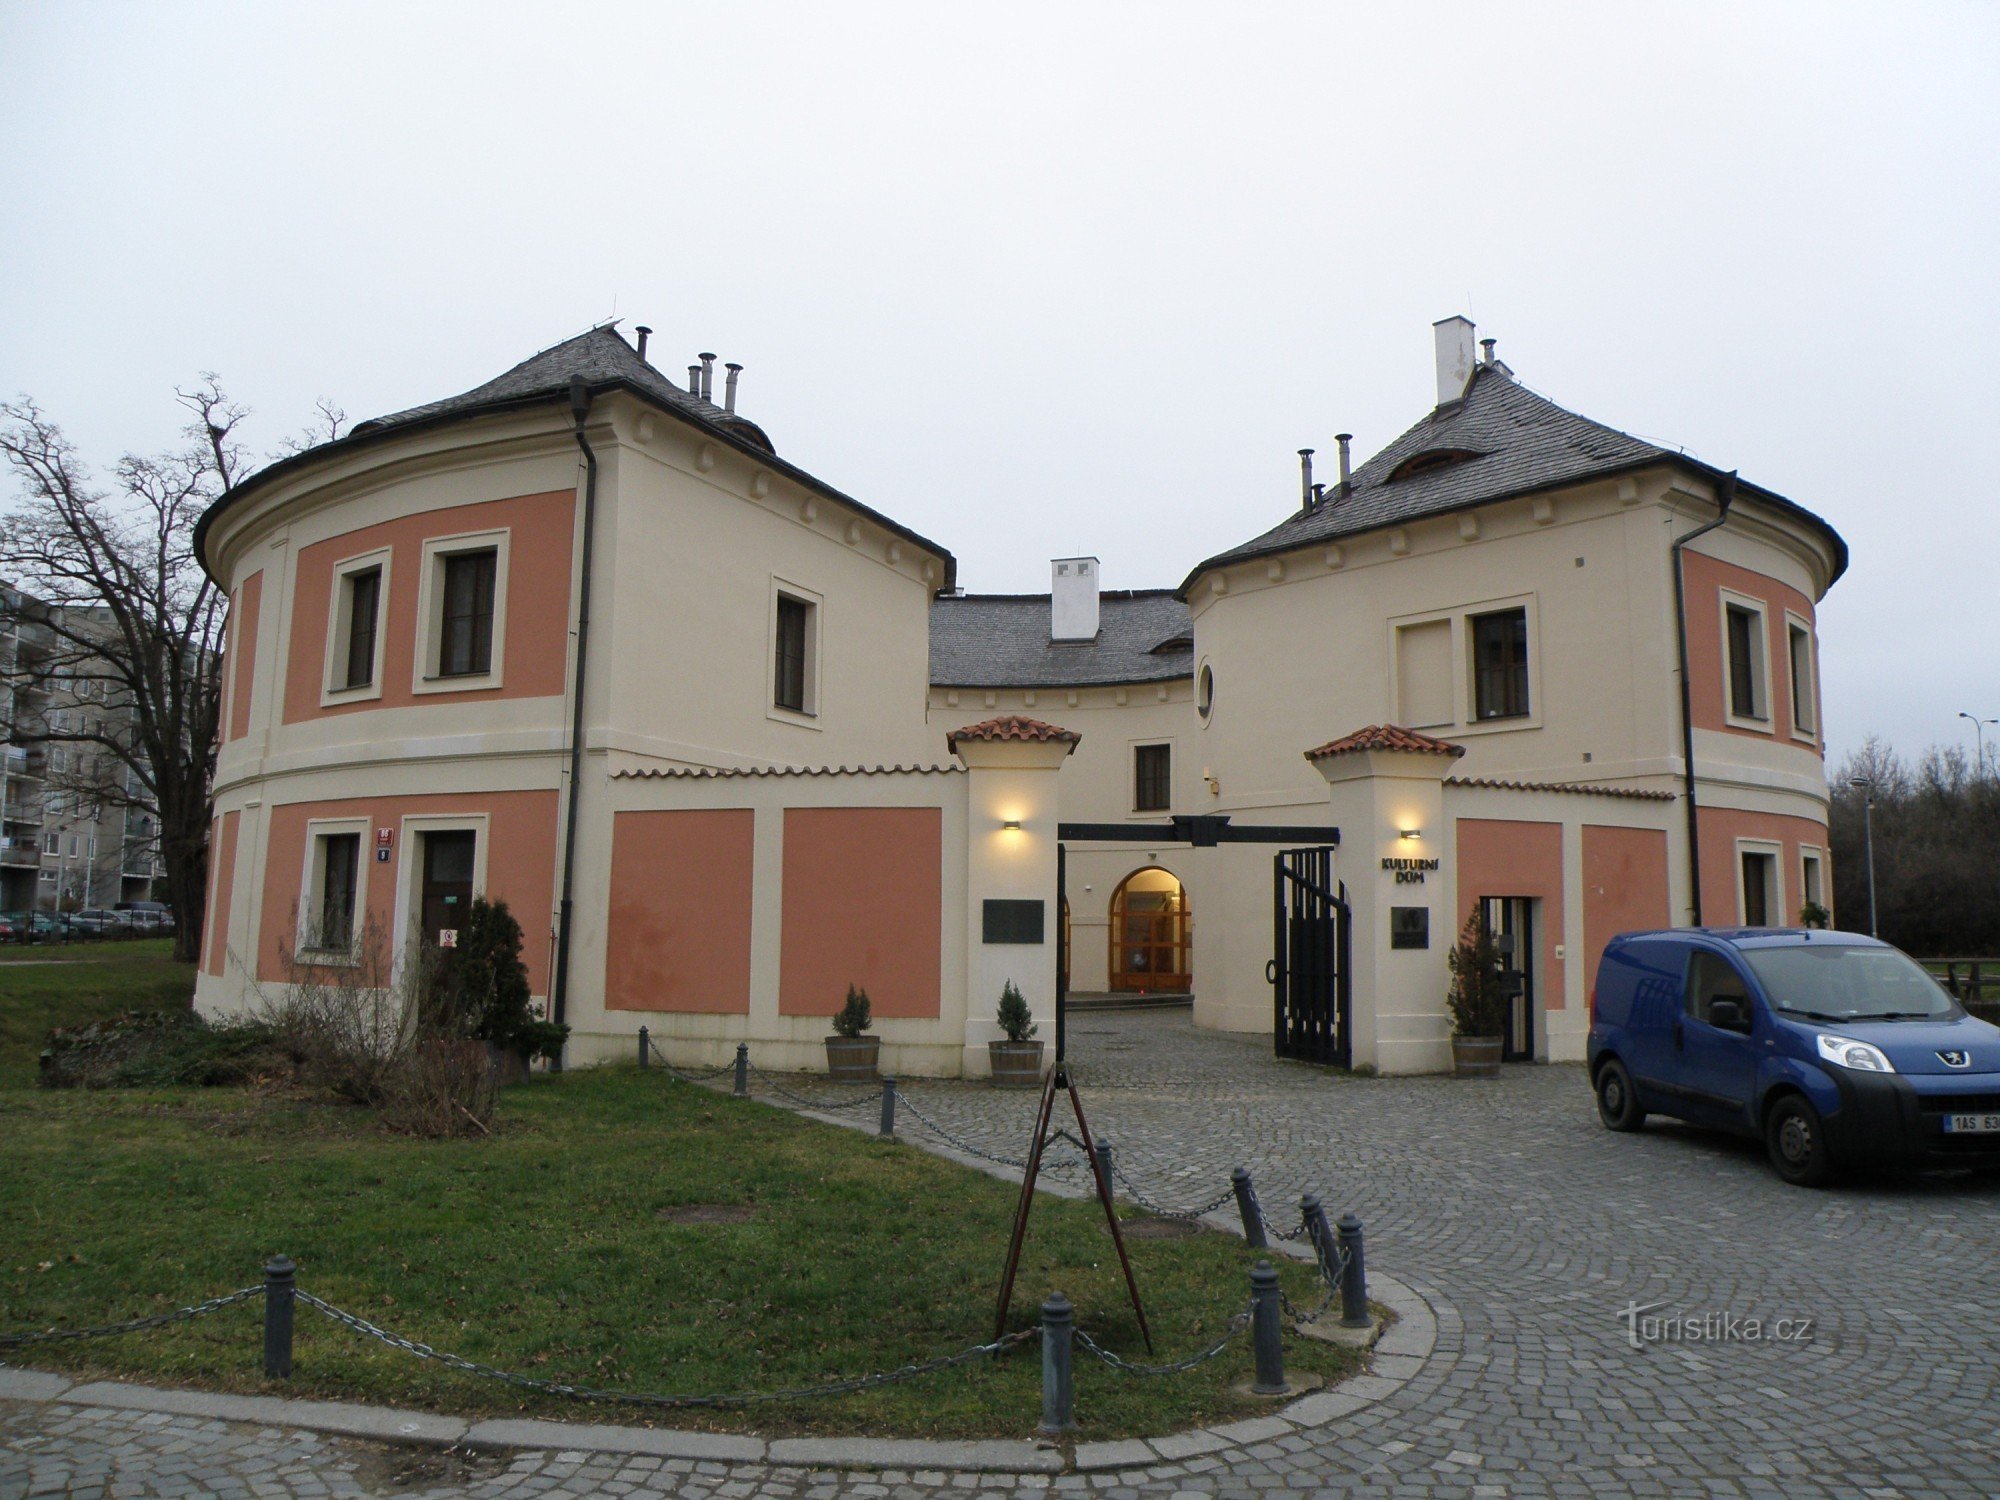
(1796, 1141)
(1617, 1101)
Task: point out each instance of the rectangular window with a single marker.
(1746, 699)
(1500, 665)
(465, 641)
(1802, 683)
(340, 868)
(364, 597)
(793, 643)
(1812, 879)
(51, 843)
(1152, 778)
(1760, 894)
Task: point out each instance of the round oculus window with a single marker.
(1204, 692)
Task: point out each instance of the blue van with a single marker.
(1835, 1049)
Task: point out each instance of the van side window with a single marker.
(1712, 977)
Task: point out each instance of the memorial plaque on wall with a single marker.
(1409, 927)
(1012, 922)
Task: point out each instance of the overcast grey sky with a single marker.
(1078, 278)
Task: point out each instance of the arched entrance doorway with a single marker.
(1151, 934)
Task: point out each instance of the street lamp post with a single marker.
(1868, 838)
(1979, 740)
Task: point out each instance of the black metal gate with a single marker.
(1309, 963)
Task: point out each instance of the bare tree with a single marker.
(130, 623)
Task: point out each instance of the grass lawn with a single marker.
(43, 985)
(549, 1249)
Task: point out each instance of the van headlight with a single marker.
(1843, 1052)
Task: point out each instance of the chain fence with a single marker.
(134, 1325)
(844, 1387)
(1178, 1367)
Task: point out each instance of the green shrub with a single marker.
(853, 1018)
(1015, 1018)
(483, 987)
(1477, 1006)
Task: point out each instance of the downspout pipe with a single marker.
(1725, 496)
(579, 409)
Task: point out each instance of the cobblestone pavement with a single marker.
(1528, 1227)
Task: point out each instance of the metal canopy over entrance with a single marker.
(1207, 831)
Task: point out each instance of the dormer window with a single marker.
(1433, 459)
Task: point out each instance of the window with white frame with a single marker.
(1812, 880)
(1805, 710)
(1760, 897)
(1152, 778)
(1499, 644)
(1745, 654)
(354, 633)
(795, 648)
(463, 605)
(330, 903)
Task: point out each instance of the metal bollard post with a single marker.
(743, 1070)
(1354, 1280)
(1103, 1164)
(280, 1284)
(1266, 1332)
(1317, 1229)
(1246, 1206)
(645, 1048)
(1058, 1395)
(888, 1130)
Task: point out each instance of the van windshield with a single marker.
(1838, 983)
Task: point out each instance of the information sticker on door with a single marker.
(447, 937)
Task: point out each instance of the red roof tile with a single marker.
(1013, 727)
(1385, 737)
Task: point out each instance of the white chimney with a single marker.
(1454, 356)
(1073, 599)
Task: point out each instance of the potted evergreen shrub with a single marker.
(850, 1056)
(1017, 1061)
(1478, 1008)
(483, 995)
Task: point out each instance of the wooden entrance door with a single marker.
(1151, 935)
(447, 885)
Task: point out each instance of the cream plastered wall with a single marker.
(1097, 785)
(696, 539)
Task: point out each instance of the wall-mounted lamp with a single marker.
(1012, 825)
(1411, 833)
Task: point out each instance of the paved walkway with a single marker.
(1527, 1227)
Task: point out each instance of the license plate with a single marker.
(1972, 1124)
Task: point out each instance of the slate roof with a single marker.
(600, 356)
(1525, 443)
(606, 363)
(1002, 640)
(1386, 737)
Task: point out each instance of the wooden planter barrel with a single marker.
(1016, 1065)
(1475, 1056)
(852, 1059)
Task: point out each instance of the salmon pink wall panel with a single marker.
(1721, 827)
(222, 858)
(1707, 577)
(520, 867)
(243, 652)
(679, 934)
(539, 528)
(863, 904)
(1624, 887)
(1503, 858)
